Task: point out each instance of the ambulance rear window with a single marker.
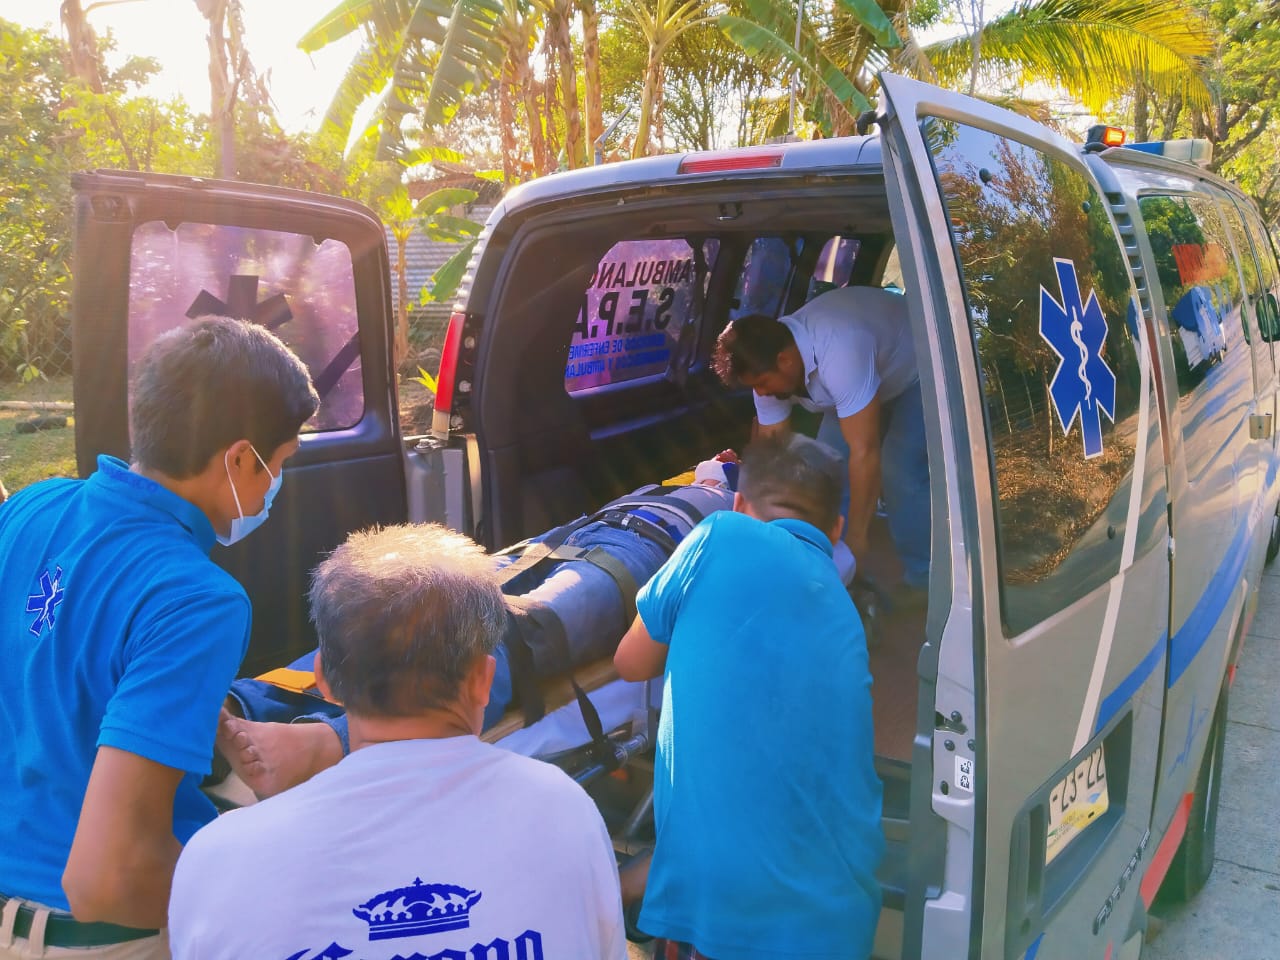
(641, 313)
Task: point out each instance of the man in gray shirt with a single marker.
(848, 355)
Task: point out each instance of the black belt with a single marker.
(64, 930)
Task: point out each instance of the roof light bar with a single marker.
(731, 160)
(1191, 150)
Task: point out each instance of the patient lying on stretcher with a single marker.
(572, 595)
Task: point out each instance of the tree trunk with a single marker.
(507, 121)
(1048, 410)
(648, 98)
(222, 86)
(532, 110)
(402, 307)
(551, 100)
(1141, 113)
(591, 67)
(659, 103)
(82, 46)
(560, 39)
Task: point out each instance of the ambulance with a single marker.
(1103, 489)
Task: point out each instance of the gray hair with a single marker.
(402, 613)
(793, 476)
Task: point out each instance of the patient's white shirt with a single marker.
(409, 847)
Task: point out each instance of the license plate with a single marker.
(1078, 800)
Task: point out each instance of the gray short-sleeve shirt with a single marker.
(854, 341)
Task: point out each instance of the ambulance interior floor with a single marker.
(894, 638)
(894, 652)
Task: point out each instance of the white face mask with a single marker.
(242, 526)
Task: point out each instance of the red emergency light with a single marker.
(731, 160)
(1100, 137)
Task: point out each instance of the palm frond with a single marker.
(442, 199)
(445, 281)
(1091, 48)
(469, 55)
(366, 77)
(874, 20)
(347, 17)
(758, 41)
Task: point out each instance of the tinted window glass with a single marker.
(302, 291)
(892, 277)
(1049, 306)
(1200, 285)
(1253, 295)
(833, 267)
(641, 313)
(1267, 309)
(766, 275)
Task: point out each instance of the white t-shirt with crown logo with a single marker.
(409, 850)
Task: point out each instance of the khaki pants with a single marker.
(25, 948)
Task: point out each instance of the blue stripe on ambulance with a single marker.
(1195, 630)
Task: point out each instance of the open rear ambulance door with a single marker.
(154, 252)
(1052, 544)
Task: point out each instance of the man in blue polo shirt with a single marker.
(119, 638)
(766, 801)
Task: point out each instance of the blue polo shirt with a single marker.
(766, 800)
(116, 630)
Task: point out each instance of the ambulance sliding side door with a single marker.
(1060, 550)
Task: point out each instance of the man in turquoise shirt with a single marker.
(767, 804)
(119, 638)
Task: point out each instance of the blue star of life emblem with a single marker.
(1083, 384)
(45, 603)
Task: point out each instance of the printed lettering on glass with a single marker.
(640, 314)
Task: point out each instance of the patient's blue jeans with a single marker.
(573, 589)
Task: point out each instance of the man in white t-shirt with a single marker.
(848, 355)
(424, 841)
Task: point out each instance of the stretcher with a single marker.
(572, 596)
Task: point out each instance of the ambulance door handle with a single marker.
(1260, 426)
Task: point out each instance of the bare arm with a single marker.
(763, 431)
(862, 433)
(124, 851)
(639, 656)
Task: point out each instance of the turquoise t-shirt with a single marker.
(117, 630)
(766, 799)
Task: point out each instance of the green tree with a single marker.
(431, 216)
(1090, 48)
(35, 168)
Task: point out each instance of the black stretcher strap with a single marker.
(553, 629)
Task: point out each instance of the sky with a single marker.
(173, 31)
(301, 85)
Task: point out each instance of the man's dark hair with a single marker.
(749, 345)
(793, 476)
(201, 388)
(402, 613)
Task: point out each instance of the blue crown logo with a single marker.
(418, 909)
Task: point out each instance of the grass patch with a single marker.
(28, 457)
